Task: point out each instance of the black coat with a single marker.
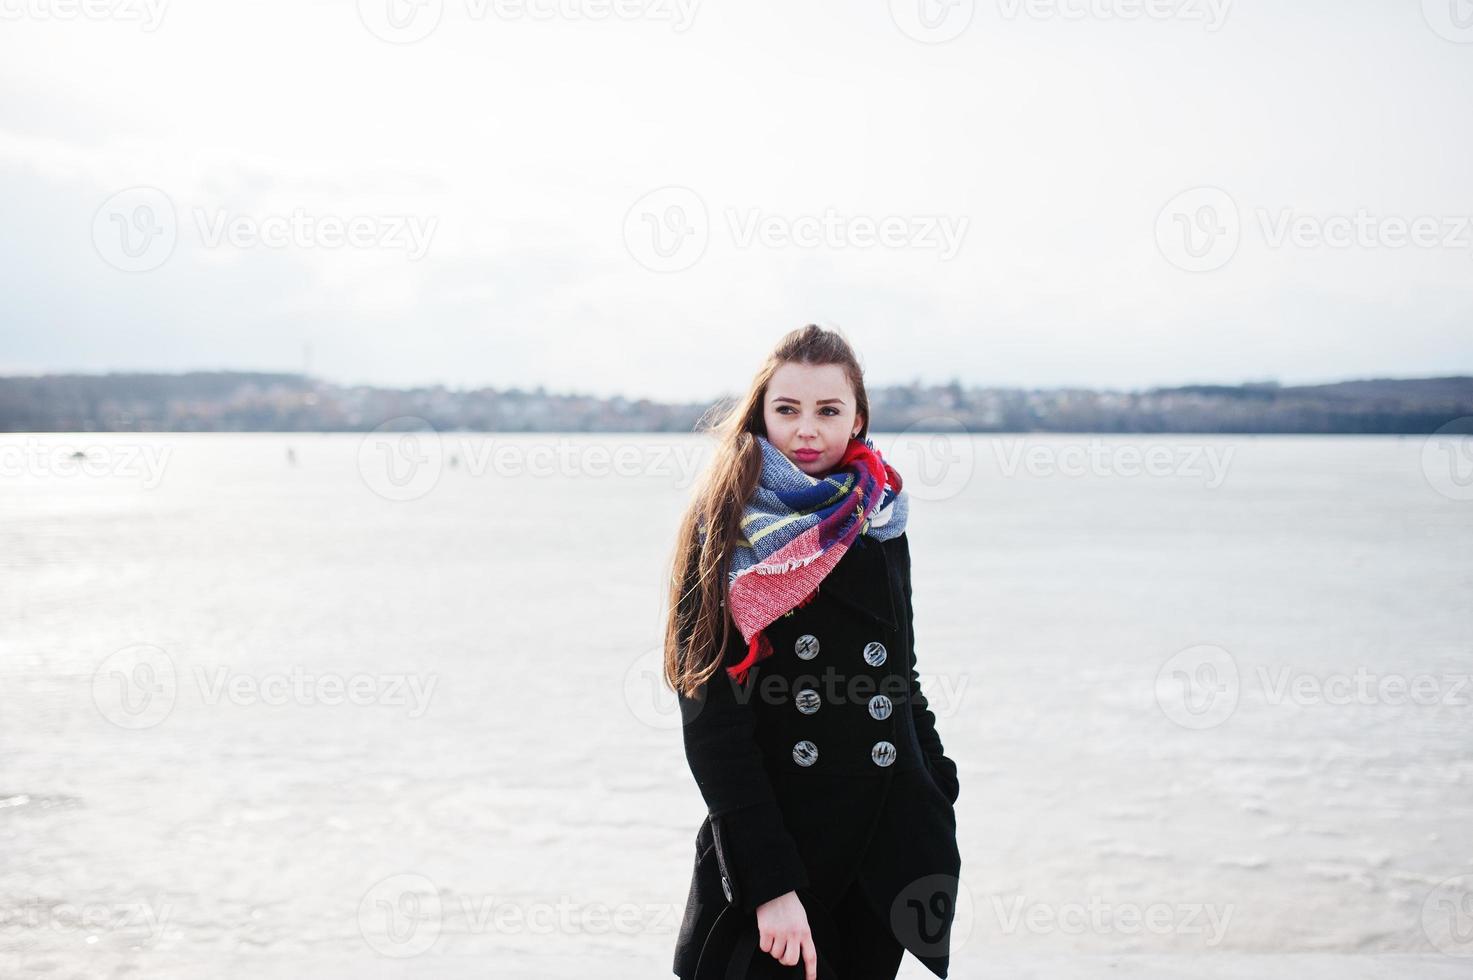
(825, 768)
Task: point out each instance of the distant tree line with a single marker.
(238, 401)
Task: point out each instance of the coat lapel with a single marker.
(861, 580)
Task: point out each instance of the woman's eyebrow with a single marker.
(821, 401)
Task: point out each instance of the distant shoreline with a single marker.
(239, 401)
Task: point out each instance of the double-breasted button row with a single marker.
(806, 647)
(805, 753)
(807, 701)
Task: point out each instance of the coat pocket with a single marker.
(943, 777)
(723, 862)
(700, 907)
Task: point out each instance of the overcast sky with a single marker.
(1112, 193)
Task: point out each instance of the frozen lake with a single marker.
(338, 717)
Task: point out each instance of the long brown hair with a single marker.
(698, 624)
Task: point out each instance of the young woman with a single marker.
(790, 648)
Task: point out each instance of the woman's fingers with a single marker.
(810, 959)
(786, 948)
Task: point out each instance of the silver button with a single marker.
(805, 753)
(882, 754)
(808, 701)
(726, 887)
(807, 647)
(879, 707)
(874, 653)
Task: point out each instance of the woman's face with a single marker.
(810, 415)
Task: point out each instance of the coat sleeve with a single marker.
(722, 750)
(942, 769)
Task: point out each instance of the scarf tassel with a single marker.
(759, 647)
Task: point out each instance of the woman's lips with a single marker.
(807, 455)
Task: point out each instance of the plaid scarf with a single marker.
(797, 527)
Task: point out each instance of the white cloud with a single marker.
(527, 141)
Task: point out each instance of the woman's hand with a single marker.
(782, 923)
